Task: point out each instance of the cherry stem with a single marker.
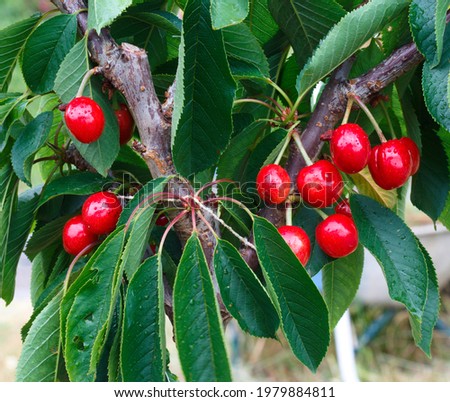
(281, 92)
(305, 155)
(240, 204)
(170, 226)
(259, 102)
(194, 220)
(388, 119)
(288, 213)
(86, 78)
(370, 116)
(280, 108)
(208, 225)
(347, 111)
(203, 188)
(286, 143)
(322, 214)
(46, 158)
(56, 138)
(295, 107)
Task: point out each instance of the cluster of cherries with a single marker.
(85, 119)
(99, 216)
(320, 185)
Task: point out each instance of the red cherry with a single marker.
(337, 236)
(273, 184)
(162, 220)
(343, 208)
(101, 212)
(320, 184)
(298, 241)
(85, 119)
(126, 124)
(76, 236)
(414, 152)
(350, 148)
(153, 247)
(390, 164)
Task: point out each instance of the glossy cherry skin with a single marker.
(76, 236)
(343, 208)
(320, 184)
(85, 119)
(273, 184)
(337, 236)
(350, 148)
(101, 212)
(162, 220)
(298, 241)
(414, 152)
(126, 124)
(390, 164)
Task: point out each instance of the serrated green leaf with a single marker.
(423, 331)
(394, 246)
(445, 138)
(45, 50)
(346, 37)
(431, 185)
(427, 20)
(40, 355)
(367, 186)
(260, 21)
(435, 83)
(241, 45)
(87, 307)
(303, 312)
(202, 124)
(102, 12)
(143, 339)
(341, 280)
(12, 40)
(242, 293)
(78, 183)
(305, 22)
(28, 143)
(198, 328)
(228, 12)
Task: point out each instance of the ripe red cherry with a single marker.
(390, 164)
(298, 241)
(162, 220)
(337, 236)
(320, 184)
(273, 184)
(101, 212)
(125, 122)
(76, 236)
(414, 152)
(350, 148)
(85, 119)
(343, 208)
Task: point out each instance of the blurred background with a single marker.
(379, 329)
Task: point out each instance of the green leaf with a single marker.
(240, 44)
(90, 303)
(260, 21)
(45, 50)
(143, 338)
(102, 12)
(423, 331)
(138, 238)
(78, 183)
(305, 22)
(303, 312)
(12, 40)
(19, 229)
(28, 143)
(427, 20)
(198, 328)
(435, 83)
(40, 355)
(394, 246)
(341, 280)
(202, 122)
(430, 185)
(445, 138)
(242, 293)
(228, 12)
(346, 37)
